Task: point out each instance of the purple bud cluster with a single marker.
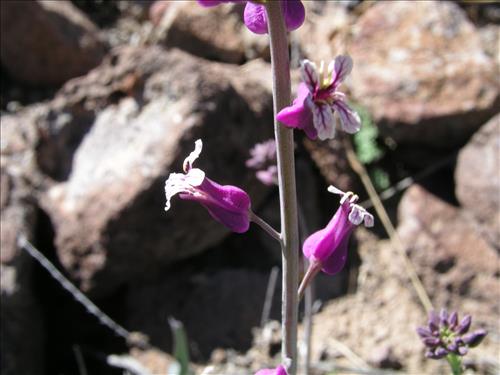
(445, 335)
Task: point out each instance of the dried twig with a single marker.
(389, 228)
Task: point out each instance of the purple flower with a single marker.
(255, 14)
(444, 336)
(263, 160)
(280, 370)
(318, 99)
(227, 204)
(326, 249)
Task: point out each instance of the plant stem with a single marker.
(286, 180)
(455, 364)
(264, 225)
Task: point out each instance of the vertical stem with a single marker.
(455, 363)
(286, 179)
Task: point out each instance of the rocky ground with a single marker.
(100, 101)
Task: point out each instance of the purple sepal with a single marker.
(473, 339)
(227, 204)
(298, 115)
(294, 13)
(436, 354)
(280, 370)
(328, 246)
(255, 18)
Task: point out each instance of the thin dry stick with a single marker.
(352, 357)
(77, 294)
(268, 303)
(389, 228)
(80, 362)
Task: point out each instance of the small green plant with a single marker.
(365, 141)
(181, 349)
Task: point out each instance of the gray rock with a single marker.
(47, 42)
(21, 332)
(478, 180)
(108, 214)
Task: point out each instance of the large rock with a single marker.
(457, 264)
(47, 42)
(478, 180)
(218, 309)
(420, 69)
(108, 215)
(216, 33)
(21, 316)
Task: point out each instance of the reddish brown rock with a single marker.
(143, 110)
(457, 264)
(47, 42)
(216, 33)
(478, 179)
(420, 69)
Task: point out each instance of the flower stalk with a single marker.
(286, 181)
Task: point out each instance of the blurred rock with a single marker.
(216, 33)
(478, 180)
(322, 36)
(457, 265)
(47, 42)
(142, 110)
(218, 309)
(420, 69)
(21, 317)
(331, 160)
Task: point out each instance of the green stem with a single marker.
(286, 180)
(455, 363)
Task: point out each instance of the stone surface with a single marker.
(216, 33)
(21, 317)
(218, 309)
(47, 42)
(143, 110)
(420, 69)
(329, 156)
(478, 179)
(457, 265)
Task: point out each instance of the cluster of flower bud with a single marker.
(445, 335)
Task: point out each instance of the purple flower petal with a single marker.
(255, 18)
(309, 75)
(294, 13)
(323, 119)
(298, 115)
(349, 119)
(342, 66)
